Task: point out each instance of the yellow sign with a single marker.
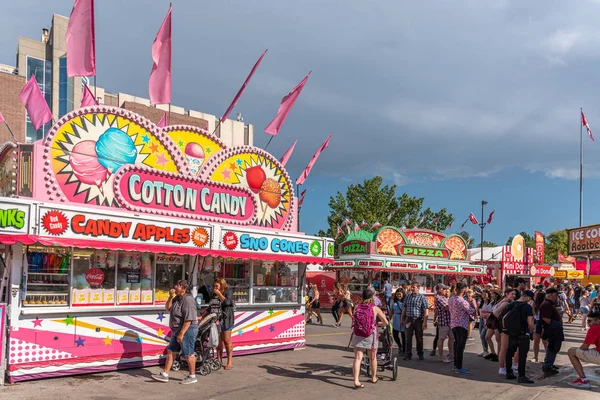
(560, 274)
(575, 274)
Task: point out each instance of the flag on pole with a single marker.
(2, 118)
(587, 126)
(241, 91)
(287, 154)
(463, 224)
(32, 98)
(301, 198)
(285, 107)
(163, 121)
(356, 227)
(375, 225)
(302, 178)
(489, 220)
(81, 40)
(468, 242)
(161, 79)
(435, 220)
(451, 222)
(390, 216)
(348, 229)
(473, 219)
(87, 97)
(346, 222)
(339, 231)
(363, 223)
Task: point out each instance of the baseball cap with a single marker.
(368, 293)
(528, 293)
(441, 286)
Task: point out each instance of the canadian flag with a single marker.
(435, 220)
(356, 227)
(473, 219)
(489, 221)
(363, 223)
(346, 222)
(339, 231)
(587, 126)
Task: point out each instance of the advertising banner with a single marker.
(539, 247)
(584, 240)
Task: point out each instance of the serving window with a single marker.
(134, 278)
(356, 280)
(93, 277)
(275, 282)
(427, 282)
(237, 275)
(46, 277)
(169, 270)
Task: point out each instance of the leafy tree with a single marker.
(373, 202)
(529, 240)
(468, 238)
(487, 243)
(555, 242)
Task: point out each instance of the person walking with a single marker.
(313, 306)
(414, 318)
(540, 296)
(518, 324)
(460, 310)
(585, 353)
(183, 323)
(337, 303)
(443, 323)
(396, 317)
(552, 330)
(346, 304)
(509, 297)
(473, 303)
(585, 303)
(365, 335)
(484, 312)
(492, 325)
(387, 292)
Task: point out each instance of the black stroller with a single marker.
(385, 354)
(205, 354)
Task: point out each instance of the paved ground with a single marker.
(324, 369)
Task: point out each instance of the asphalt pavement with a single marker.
(323, 370)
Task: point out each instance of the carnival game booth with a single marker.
(102, 217)
(403, 256)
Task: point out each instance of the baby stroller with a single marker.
(385, 354)
(205, 353)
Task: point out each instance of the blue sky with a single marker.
(457, 103)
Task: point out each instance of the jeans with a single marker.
(400, 339)
(520, 342)
(552, 351)
(414, 325)
(482, 333)
(335, 310)
(388, 300)
(437, 337)
(460, 342)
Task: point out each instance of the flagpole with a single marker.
(298, 219)
(10, 131)
(95, 86)
(269, 142)
(581, 167)
(482, 226)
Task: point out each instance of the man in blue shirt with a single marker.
(387, 291)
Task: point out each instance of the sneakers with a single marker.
(188, 380)
(511, 376)
(524, 379)
(515, 367)
(407, 358)
(161, 377)
(463, 371)
(534, 360)
(421, 357)
(484, 355)
(494, 357)
(446, 360)
(335, 325)
(549, 372)
(502, 371)
(433, 352)
(580, 384)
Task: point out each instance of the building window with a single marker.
(246, 135)
(42, 70)
(65, 86)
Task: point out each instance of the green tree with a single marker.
(529, 240)
(487, 243)
(373, 202)
(555, 242)
(468, 238)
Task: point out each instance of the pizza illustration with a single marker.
(387, 240)
(457, 248)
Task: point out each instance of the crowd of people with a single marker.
(509, 321)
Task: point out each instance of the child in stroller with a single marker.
(385, 354)
(205, 352)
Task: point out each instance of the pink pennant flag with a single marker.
(287, 155)
(163, 121)
(285, 107)
(302, 178)
(301, 198)
(160, 83)
(81, 40)
(87, 97)
(2, 118)
(32, 98)
(241, 91)
(587, 126)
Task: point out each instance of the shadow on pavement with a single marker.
(319, 372)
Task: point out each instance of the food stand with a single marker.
(584, 243)
(101, 218)
(403, 256)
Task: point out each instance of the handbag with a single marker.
(213, 339)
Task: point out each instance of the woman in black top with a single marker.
(222, 292)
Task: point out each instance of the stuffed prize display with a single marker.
(115, 148)
(585, 310)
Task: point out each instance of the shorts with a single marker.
(538, 326)
(186, 347)
(221, 329)
(589, 355)
(445, 332)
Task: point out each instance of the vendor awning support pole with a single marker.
(482, 225)
(581, 167)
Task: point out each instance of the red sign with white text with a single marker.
(95, 277)
(539, 248)
(542, 270)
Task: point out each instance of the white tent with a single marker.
(490, 254)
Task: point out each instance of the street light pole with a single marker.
(482, 225)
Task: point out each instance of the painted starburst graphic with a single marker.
(273, 197)
(85, 158)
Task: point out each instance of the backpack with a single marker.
(511, 321)
(364, 320)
